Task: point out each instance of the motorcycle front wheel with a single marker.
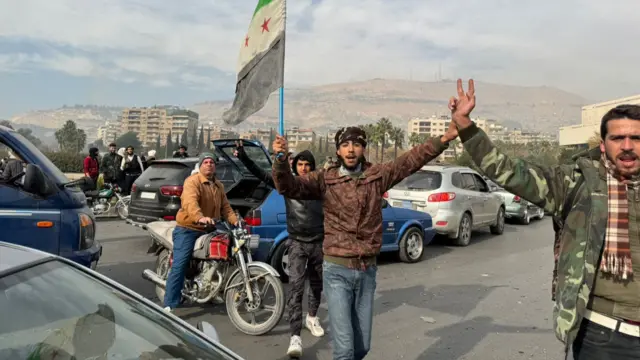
(260, 316)
(122, 207)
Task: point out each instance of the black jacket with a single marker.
(305, 218)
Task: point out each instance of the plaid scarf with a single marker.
(616, 258)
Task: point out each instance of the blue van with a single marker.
(44, 210)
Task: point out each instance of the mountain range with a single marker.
(539, 108)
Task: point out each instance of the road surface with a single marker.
(490, 300)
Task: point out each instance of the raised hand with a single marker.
(280, 145)
(239, 147)
(462, 106)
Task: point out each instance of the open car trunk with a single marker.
(247, 191)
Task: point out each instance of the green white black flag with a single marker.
(261, 62)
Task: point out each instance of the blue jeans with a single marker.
(183, 242)
(350, 294)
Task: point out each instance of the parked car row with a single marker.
(516, 207)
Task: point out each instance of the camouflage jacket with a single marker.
(582, 236)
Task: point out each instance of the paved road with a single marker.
(489, 300)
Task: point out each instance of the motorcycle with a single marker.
(100, 201)
(221, 265)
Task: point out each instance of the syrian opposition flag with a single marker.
(261, 62)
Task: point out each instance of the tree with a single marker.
(185, 137)
(201, 139)
(130, 139)
(397, 136)
(384, 128)
(194, 138)
(70, 138)
(177, 144)
(209, 138)
(28, 134)
(158, 143)
(417, 139)
(168, 146)
(6, 123)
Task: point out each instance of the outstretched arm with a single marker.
(254, 169)
(544, 186)
(411, 161)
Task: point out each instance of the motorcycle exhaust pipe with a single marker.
(154, 278)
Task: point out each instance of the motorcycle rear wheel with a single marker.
(239, 293)
(162, 269)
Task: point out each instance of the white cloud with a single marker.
(584, 46)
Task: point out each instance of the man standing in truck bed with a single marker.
(352, 195)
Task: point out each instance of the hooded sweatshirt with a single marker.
(305, 218)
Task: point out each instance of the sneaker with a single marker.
(313, 324)
(295, 347)
(168, 309)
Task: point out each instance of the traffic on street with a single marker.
(488, 300)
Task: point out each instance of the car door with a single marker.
(27, 219)
(390, 224)
(474, 198)
(489, 201)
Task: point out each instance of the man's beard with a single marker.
(361, 160)
(613, 161)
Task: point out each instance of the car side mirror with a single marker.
(385, 203)
(36, 182)
(208, 329)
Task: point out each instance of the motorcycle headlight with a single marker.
(87, 231)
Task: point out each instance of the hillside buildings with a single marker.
(579, 135)
(437, 126)
(149, 123)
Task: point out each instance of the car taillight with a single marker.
(385, 195)
(254, 218)
(442, 197)
(168, 218)
(516, 199)
(134, 187)
(174, 190)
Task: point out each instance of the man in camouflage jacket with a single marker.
(597, 306)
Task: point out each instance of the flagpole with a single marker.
(281, 105)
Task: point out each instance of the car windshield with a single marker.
(55, 311)
(421, 180)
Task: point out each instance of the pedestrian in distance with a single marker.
(305, 225)
(597, 303)
(352, 194)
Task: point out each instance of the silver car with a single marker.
(457, 198)
(516, 207)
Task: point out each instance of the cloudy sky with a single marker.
(143, 52)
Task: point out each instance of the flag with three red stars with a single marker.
(261, 62)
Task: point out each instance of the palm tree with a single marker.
(397, 136)
(368, 129)
(417, 139)
(384, 128)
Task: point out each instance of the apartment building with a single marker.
(591, 118)
(262, 135)
(296, 135)
(109, 132)
(149, 123)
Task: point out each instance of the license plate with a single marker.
(407, 204)
(255, 241)
(147, 195)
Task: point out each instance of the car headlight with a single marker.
(87, 231)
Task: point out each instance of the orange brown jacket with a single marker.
(200, 198)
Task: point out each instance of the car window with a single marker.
(54, 310)
(421, 180)
(256, 154)
(480, 183)
(166, 172)
(456, 180)
(467, 182)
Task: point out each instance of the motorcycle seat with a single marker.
(164, 230)
(91, 193)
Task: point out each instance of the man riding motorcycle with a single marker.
(203, 199)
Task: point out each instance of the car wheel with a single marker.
(280, 260)
(526, 219)
(464, 230)
(498, 228)
(541, 214)
(411, 245)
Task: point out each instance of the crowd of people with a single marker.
(334, 220)
(120, 168)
